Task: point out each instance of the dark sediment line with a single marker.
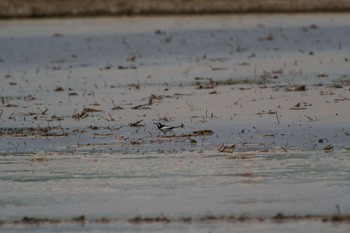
(278, 218)
(75, 8)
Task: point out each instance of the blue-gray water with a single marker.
(286, 111)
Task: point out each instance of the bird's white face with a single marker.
(163, 128)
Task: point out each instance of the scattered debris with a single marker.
(10, 105)
(116, 107)
(108, 67)
(341, 98)
(297, 88)
(205, 132)
(29, 98)
(227, 148)
(240, 157)
(328, 148)
(59, 89)
(91, 110)
(136, 124)
(269, 37)
(199, 133)
(135, 142)
(39, 159)
(139, 219)
(279, 218)
(266, 112)
(193, 141)
(311, 119)
(137, 85)
(324, 75)
(218, 68)
(33, 132)
(84, 113)
(141, 106)
(154, 97)
(210, 84)
(301, 106)
(72, 93)
(120, 67)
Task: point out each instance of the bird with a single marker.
(164, 128)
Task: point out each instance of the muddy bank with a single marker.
(161, 219)
(69, 8)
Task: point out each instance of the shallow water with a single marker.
(182, 184)
(291, 146)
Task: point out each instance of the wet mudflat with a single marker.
(263, 100)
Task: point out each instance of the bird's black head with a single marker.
(158, 124)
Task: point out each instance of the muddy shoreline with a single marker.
(75, 8)
(161, 219)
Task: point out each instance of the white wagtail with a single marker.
(165, 128)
